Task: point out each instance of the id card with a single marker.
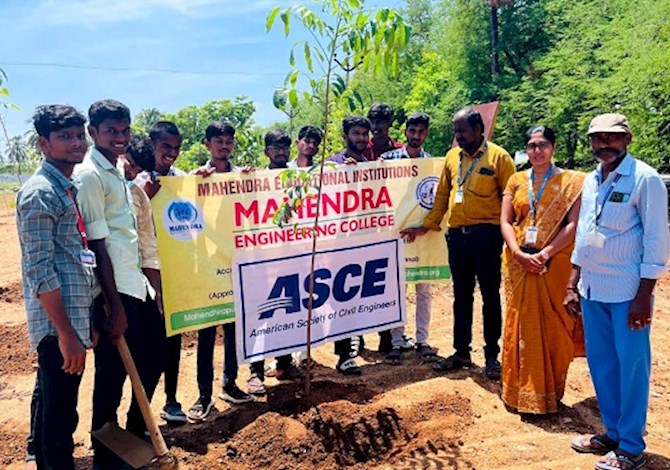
(459, 196)
(87, 258)
(595, 239)
(531, 235)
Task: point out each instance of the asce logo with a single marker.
(183, 219)
(285, 293)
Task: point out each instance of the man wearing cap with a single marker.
(621, 249)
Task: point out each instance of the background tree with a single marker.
(144, 120)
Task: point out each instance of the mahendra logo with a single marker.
(183, 219)
(351, 280)
(425, 191)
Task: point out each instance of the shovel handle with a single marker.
(140, 395)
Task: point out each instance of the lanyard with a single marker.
(80, 220)
(610, 189)
(461, 179)
(532, 202)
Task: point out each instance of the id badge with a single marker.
(459, 196)
(87, 258)
(595, 239)
(531, 235)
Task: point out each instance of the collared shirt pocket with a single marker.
(619, 212)
(483, 182)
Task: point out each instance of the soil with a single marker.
(392, 417)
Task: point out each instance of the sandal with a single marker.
(200, 410)
(426, 353)
(620, 460)
(394, 357)
(452, 362)
(598, 444)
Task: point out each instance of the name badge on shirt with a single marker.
(459, 196)
(531, 235)
(87, 258)
(595, 239)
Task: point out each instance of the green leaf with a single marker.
(291, 58)
(308, 57)
(4, 91)
(293, 78)
(354, 4)
(286, 19)
(352, 104)
(271, 18)
(293, 97)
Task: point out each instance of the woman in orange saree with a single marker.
(539, 215)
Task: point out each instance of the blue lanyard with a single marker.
(461, 180)
(600, 206)
(532, 202)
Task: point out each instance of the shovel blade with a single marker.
(134, 451)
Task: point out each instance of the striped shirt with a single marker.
(634, 226)
(51, 244)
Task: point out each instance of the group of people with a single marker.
(573, 243)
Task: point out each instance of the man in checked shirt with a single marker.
(58, 275)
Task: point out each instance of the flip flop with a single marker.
(624, 460)
(598, 444)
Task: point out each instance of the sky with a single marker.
(163, 54)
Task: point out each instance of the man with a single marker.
(57, 268)
(381, 118)
(355, 132)
(309, 139)
(416, 133)
(472, 181)
(220, 141)
(621, 249)
(126, 306)
(166, 140)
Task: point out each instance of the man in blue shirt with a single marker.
(621, 249)
(57, 283)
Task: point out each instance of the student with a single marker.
(309, 140)
(355, 133)
(220, 141)
(166, 140)
(57, 269)
(126, 305)
(380, 116)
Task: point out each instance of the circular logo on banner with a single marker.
(425, 191)
(183, 219)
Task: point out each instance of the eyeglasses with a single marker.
(531, 146)
(606, 137)
(278, 148)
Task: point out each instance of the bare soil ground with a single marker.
(392, 417)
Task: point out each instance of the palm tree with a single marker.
(16, 152)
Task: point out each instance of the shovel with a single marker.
(134, 451)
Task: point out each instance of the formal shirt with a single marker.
(372, 152)
(107, 208)
(51, 245)
(146, 231)
(482, 189)
(632, 229)
(402, 153)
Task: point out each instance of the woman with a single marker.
(538, 219)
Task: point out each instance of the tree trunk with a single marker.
(495, 68)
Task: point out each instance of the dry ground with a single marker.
(393, 417)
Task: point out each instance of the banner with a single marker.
(201, 223)
(358, 288)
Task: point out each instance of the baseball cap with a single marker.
(609, 122)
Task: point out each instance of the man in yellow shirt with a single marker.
(470, 188)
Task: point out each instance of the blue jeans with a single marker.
(620, 362)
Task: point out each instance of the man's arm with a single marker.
(571, 300)
(506, 168)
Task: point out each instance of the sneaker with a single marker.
(492, 368)
(234, 395)
(255, 386)
(200, 410)
(290, 373)
(408, 343)
(172, 413)
(348, 367)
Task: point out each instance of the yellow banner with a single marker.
(202, 222)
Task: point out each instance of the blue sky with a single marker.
(164, 54)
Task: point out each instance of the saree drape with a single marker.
(540, 337)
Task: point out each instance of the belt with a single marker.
(468, 229)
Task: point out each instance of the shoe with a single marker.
(492, 368)
(172, 413)
(348, 367)
(255, 386)
(452, 362)
(290, 373)
(200, 410)
(408, 343)
(234, 395)
(394, 357)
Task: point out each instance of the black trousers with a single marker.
(475, 254)
(53, 409)
(147, 343)
(172, 367)
(205, 372)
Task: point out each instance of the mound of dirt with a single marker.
(13, 293)
(338, 425)
(13, 447)
(15, 352)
